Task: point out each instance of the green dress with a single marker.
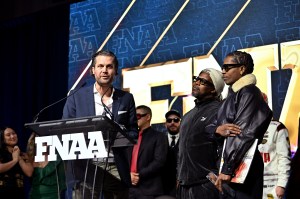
(44, 181)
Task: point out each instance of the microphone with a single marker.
(106, 109)
(36, 117)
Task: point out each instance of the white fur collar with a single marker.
(243, 81)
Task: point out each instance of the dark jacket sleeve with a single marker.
(160, 150)
(211, 129)
(253, 115)
(131, 126)
(69, 110)
(80, 103)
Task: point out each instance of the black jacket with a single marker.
(152, 156)
(170, 170)
(196, 150)
(245, 107)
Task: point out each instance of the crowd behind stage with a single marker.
(225, 147)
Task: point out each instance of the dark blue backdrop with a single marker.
(193, 33)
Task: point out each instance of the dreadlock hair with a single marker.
(243, 58)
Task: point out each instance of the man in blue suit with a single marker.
(103, 99)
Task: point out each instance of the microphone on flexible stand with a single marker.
(36, 117)
(107, 111)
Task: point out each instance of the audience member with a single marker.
(197, 149)
(243, 113)
(13, 165)
(172, 125)
(48, 179)
(147, 157)
(99, 99)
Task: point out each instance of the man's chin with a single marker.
(173, 132)
(194, 93)
(105, 83)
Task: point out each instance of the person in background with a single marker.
(147, 158)
(48, 179)
(292, 189)
(102, 98)
(197, 155)
(243, 113)
(14, 165)
(276, 154)
(172, 124)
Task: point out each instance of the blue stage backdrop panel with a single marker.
(194, 32)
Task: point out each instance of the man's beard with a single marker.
(173, 132)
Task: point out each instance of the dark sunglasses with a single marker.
(202, 81)
(227, 67)
(176, 120)
(139, 116)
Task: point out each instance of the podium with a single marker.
(110, 129)
(81, 173)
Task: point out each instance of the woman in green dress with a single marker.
(48, 179)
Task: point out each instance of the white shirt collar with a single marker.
(98, 101)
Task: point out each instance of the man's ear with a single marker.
(242, 70)
(166, 124)
(148, 117)
(92, 71)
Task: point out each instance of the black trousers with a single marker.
(206, 190)
(136, 193)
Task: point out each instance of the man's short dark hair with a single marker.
(105, 53)
(146, 109)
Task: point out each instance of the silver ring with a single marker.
(227, 132)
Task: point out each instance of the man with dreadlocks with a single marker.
(246, 108)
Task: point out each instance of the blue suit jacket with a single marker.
(81, 104)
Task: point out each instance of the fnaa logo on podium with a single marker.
(72, 146)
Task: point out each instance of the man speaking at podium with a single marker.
(102, 99)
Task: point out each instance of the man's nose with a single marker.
(104, 69)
